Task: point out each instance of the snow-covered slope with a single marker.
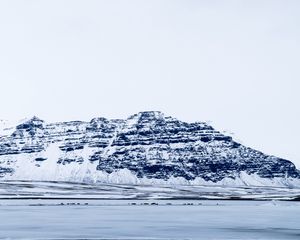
(146, 148)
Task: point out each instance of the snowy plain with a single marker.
(121, 220)
(67, 190)
(61, 210)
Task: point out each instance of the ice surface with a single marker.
(202, 220)
(63, 210)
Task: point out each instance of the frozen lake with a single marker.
(120, 219)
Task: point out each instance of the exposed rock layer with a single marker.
(148, 144)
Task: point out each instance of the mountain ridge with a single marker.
(147, 147)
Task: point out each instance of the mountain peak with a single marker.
(147, 114)
(145, 148)
(33, 122)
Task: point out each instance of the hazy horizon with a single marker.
(233, 63)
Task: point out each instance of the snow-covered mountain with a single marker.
(146, 148)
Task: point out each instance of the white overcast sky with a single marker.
(235, 63)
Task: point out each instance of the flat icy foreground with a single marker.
(66, 190)
(61, 210)
(122, 220)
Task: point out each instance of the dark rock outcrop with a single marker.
(148, 144)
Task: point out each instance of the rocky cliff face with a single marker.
(145, 148)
